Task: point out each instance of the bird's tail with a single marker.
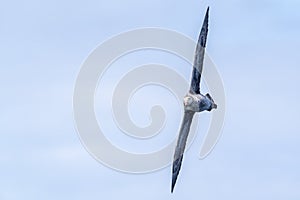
(213, 104)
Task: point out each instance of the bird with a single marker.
(193, 101)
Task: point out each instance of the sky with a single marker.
(253, 43)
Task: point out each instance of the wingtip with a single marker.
(172, 188)
(206, 18)
(204, 30)
(174, 179)
(175, 171)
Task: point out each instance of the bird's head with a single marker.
(187, 101)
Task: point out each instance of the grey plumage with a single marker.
(193, 102)
(181, 142)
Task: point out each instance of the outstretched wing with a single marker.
(181, 142)
(199, 57)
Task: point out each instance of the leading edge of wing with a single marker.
(199, 56)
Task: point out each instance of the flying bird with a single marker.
(193, 101)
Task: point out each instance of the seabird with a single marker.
(193, 101)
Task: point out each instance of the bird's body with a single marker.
(193, 102)
(198, 102)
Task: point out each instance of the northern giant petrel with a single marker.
(193, 102)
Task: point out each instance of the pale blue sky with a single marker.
(253, 43)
